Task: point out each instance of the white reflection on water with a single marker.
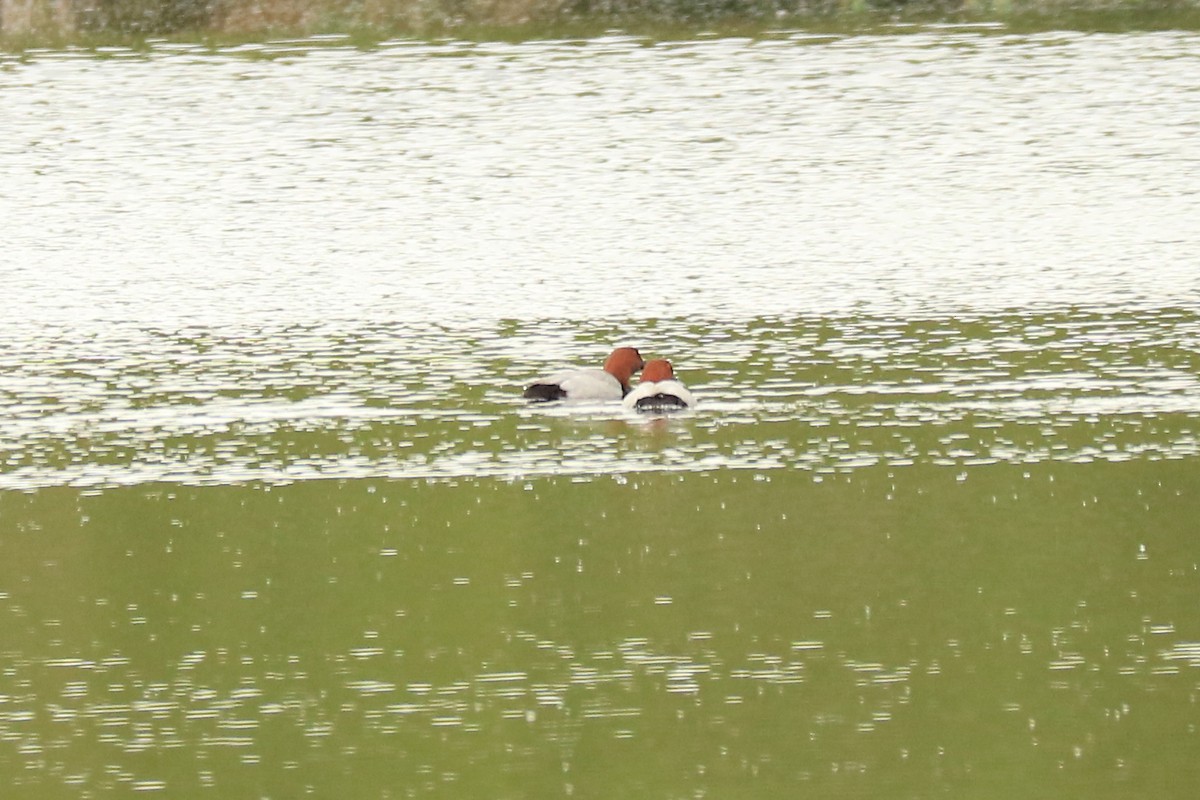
(331, 262)
(562, 691)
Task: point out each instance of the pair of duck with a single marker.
(658, 390)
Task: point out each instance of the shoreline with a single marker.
(29, 24)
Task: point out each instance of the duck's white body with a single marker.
(665, 395)
(584, 384)
(659, 389)
(610, 383)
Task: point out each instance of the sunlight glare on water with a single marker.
(715, 179)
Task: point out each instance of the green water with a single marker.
(1024, 630)
(948, 556)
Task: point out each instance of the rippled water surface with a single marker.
(274, 519)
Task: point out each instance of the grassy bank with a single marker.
(25, 23)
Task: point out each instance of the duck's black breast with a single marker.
(660, 402)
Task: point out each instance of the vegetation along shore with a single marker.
(27, 23)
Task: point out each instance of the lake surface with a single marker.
(275, 522)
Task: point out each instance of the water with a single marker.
(275, 521)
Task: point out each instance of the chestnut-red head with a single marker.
(657, 370)
(622, 363)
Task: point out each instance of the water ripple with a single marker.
(422, 401)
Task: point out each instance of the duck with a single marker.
(609, 383)
(659, 389)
